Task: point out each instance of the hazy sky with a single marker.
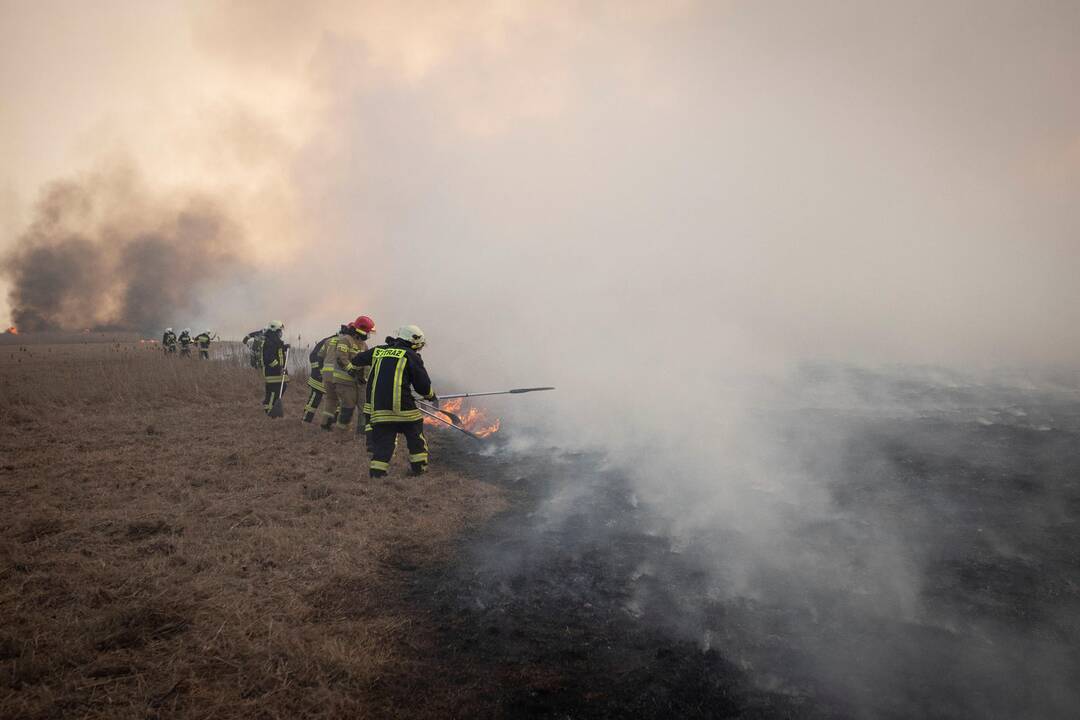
(765, 179)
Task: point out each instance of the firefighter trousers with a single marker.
(313, 401)
(363, 426)
(384, 438)
(342, 399)
(316, 390)
(274, 390)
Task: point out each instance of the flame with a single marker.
(473, 419)
(12, 330)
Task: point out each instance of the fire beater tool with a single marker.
(456, 420)
(515, 391)
(277, 411)
(447, 422)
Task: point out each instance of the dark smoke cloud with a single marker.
(103, 253)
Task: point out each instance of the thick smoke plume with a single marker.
(104, 253)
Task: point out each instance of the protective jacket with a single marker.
(339, 353)
(318, 354)
(273, 357)
(185, 339)
(203, 341)
(396, 370)
(256, 338)
(169, 340)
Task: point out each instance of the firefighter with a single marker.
(185, 342)
(341, 380)
(273, 364)
(203, 341)
(318, 389)
(254, 342)
(168, 341)
(396, 370)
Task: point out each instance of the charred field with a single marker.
(169, 552)
(943, 581)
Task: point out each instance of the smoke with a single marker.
(663, 209)
(103, 252)
(665, 217)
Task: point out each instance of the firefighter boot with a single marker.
(344, 417)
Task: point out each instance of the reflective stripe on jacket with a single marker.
(340, 352)
(273, 358)
(396, 370)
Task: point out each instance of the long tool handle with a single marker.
(284, 373)
(447, 422)
(515, 391)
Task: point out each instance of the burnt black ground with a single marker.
(573, 605)
(534, 619)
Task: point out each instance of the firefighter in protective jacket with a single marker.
(185, 342)
(318, 389)
(254, 342)
(275, 375)
(396, 370)
(168, 341)
(342, 384)
(202, 340)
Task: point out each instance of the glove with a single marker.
(434, 399)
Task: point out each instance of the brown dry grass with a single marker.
(168, 551)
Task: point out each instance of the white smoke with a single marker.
(663, 208)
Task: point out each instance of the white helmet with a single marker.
(187, 330)
(168, 329)
(412, 335)
(275, 325)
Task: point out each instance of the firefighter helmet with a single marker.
(275, 325)
(168, 329)
(363, 323)
(412, 335)
(187, 330)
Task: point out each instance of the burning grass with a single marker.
(473, 419)
(169, 551)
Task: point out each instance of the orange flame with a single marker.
(12, 330)
(473, 419)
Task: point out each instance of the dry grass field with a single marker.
(168, 551)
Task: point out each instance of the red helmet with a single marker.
(363, 323)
